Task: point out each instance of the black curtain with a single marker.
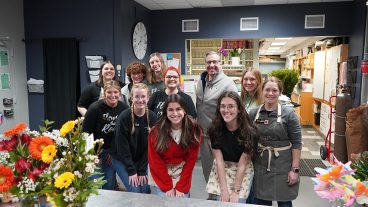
(61, 66)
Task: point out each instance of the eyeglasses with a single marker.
(228, 107)
(171, 77)
(215, 62)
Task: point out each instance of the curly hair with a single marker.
(247, 133)
(191, 131)
(134, 68)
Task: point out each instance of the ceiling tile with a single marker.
(238, 2)
(302, 1)
(153, 6)
(169, 1)
(263, 2)
(181, 5)
(206, 4)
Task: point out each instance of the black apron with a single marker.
(271, 172)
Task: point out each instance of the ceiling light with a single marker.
(278, 43)
(273, 48)
(283, 38)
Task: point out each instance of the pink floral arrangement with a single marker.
(338, 184)
(223, 52)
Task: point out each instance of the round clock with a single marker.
(139, 40)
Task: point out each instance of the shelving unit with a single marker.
(197, 49)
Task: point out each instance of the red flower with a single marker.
(8, 145)
(21, 165)
(17, 180)
(34, 174)
(6, 178)
(16, 130)
(26, 139)
(37, 144)
(44, 166)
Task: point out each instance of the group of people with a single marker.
(249, 144)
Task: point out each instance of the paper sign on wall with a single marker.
(5, 81)
(4, 58)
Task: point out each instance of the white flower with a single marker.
(4, 156)
(78, 174)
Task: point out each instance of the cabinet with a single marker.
(197, 49)
(305, 111)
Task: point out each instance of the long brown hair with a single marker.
(190, 130)
(247, 130)
(258, 91)
(151, 77)
(134, 87)
(100, 78)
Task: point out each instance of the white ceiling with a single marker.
(189, 4)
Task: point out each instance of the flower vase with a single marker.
(30, 201)
(235, 60)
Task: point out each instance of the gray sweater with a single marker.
(207, 93)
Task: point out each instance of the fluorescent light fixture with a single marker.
(273, 48)
(278, 43)
(283, 38)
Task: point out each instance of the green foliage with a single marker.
(235, 52)
(288, 77)
(361, 166)
(46, 125)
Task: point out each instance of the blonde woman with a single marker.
(130, 147)
(155, 80)
(251, 91)
(100, 120)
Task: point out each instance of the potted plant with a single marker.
(288, 77)
(235, 56)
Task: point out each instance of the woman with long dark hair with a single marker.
(232, 138)
(173, 146)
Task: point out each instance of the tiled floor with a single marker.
(307, 197)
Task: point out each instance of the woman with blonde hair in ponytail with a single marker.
(130, 147)
(173, 146)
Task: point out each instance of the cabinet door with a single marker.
(332, 60)
(319, 74)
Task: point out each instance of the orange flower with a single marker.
(38, 144)
(16, 130)
(6, 178)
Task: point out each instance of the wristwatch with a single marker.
(295, 169)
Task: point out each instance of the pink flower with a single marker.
(35, 173)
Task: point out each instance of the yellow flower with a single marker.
(48, 153)
(66, 128)
(64, 180)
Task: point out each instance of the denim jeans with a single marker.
(123, 174)
(241, 200)
(107, 171)
(269, 203)
(156, 190)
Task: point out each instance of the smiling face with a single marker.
(171, 79)
(139, 98)
(249, 82)
(137, 77)
(112, 95)
(213, 65)
(271, 93)
(229, 110)
(175, 114)
(155, 64)
(108, 72)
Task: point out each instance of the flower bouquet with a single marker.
(23, 160)
(337, 184)
(57, 164)
(70, 173)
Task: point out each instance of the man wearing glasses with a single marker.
(211, 84)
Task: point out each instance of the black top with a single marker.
(157, 100)
(100, 120)
(89, 95)
(130, 149)
(230, 146)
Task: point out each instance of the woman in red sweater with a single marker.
(173, 146)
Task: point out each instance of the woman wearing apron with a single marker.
(173, 146)
(251, 91)
(232, 137)
(276, 164)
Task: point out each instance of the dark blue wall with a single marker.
(356, 43)
(274, 21)
(104, 27)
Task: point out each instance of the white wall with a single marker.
(12, 26)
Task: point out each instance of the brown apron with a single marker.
(213, 185)
(273, 161)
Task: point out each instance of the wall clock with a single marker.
(139, 40)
